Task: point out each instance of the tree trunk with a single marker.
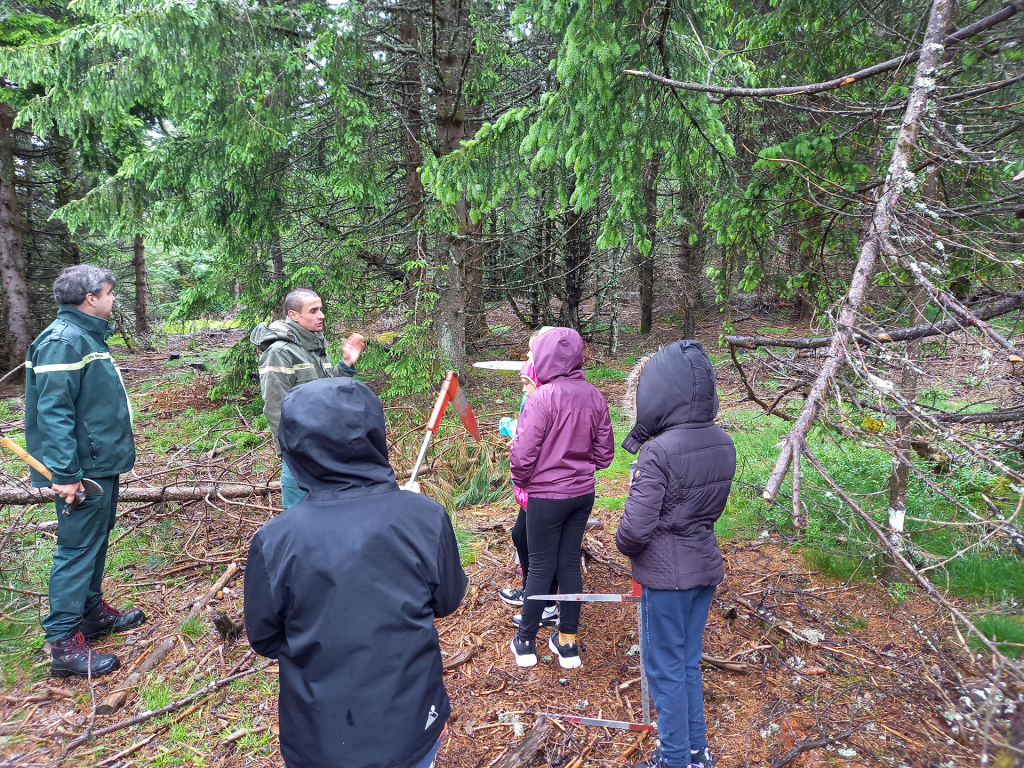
(538, 273)
(12, 260)
(141, 286)
(899, 478)
(689, 270)
(613, 303)
(577, 256)
(921, 93)
(473, 280)
(64, 194)
(276, 257)
(452, 128)
(650, 194)
(412, 124)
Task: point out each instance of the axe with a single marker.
(91, 486)
(452, 393)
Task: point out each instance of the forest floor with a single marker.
(869, 676)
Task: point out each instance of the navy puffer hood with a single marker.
(676, 386)
(333, 438)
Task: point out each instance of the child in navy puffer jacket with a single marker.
(680, 486)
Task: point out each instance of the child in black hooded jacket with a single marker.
(680, 486)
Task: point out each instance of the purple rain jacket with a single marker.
(565, 431)
(683, 474)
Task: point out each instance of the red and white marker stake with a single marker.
(452, 393)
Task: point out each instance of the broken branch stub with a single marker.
(896, 180)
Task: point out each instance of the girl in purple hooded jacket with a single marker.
(680, 486)
(564, 435)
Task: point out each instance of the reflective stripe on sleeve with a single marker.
(285, 369)
(68, 366)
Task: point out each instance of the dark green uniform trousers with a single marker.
(77, 576)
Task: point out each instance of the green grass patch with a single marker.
(610, 503)
(193, 628)
(606, 374)
(466, 553)
(1006, 631)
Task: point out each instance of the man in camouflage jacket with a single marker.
(292, 352)
(78, 424)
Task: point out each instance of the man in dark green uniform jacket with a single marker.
(78, 423)
(292, 352)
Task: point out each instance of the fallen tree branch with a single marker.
(116, 699)
(143, 494)
(1001, 307)
(897, 177)
(740, 667)
(807, 746)
(149, 714)
(769, 409)
(841, 82)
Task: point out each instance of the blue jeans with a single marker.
(673, 633)
(291, 494)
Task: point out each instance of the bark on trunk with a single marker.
(896, 180)
(577, 254)
(689, 267)
(276, 257)
(65, 194)
(473, 271)
(18, 320)
(650, 194)
(452, 129)
(141, 286)
(412, 124)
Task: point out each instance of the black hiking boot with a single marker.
(71, 657)
(104, 619)
(702, 758)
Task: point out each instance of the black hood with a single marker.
(333, 437)
(676, 387)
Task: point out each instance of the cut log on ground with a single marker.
(116, 699)
(531, 749)
(136, 494)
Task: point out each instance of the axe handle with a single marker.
(25, 456)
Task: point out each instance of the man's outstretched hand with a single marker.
(413, 486)
(352, 348)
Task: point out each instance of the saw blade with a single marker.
(501, 365)
(601, 722)
(587, 598)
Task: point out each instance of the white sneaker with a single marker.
(547, 619)
(525, 653)
(511, 596)
(568, 654)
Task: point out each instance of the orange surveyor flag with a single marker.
(452, 393)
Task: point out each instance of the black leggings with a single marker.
(554, 530)
(523, 550)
